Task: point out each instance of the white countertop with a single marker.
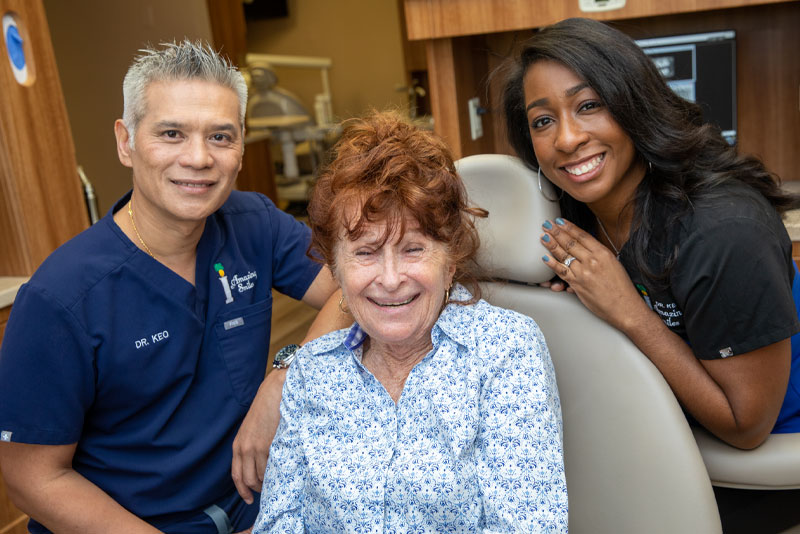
(8, 289)
(791, 220)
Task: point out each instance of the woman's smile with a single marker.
(581, 169)
(384, 303)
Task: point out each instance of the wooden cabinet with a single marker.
(4, 313)
(435, 19)
(41, 200)
(12, 520)
(466, 40)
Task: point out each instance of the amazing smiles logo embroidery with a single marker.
(245, 282)
(241, 283)
(220, 270)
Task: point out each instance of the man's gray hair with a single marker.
(176, 62)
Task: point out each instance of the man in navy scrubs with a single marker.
(136, 350)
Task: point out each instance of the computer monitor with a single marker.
(701, 68)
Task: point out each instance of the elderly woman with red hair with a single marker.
(435, 411)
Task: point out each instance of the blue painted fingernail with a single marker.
(546, 238)
(545, 259)
(547, 225)
(559, 221)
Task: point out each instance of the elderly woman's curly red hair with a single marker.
(386, 169)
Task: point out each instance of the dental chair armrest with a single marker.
(774, 465)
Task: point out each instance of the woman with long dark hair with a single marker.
(667, 233)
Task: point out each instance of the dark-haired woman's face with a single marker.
(579, 145)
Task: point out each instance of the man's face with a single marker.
(188, 150)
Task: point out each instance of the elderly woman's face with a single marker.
(396, 290)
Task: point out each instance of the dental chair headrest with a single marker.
(509, 191)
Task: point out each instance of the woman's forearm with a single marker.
(735, 399)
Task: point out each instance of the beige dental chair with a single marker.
(630, 458)
(633, 464)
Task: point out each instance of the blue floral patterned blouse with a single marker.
(474, 444)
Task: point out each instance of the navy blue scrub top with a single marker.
(151, 376)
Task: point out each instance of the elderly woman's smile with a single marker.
(393, 304)
(394, 287)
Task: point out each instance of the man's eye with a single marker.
(221, 137)
(172, 134)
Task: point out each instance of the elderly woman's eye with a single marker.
(414, 250)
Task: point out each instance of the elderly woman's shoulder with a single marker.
(495, 337)
(503, 317)
(327, 345)
(483, 317)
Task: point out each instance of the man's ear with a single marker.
(123, 143)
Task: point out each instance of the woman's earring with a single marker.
(541, 190)
(650, 167)
(342, 306)
(447, 295)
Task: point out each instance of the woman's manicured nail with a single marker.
(546, 238)
(545, 259)
(547, 225)
(559, 221)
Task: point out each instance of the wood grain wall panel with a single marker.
(4, 314)
(434, 19)
(228, 28)
(499, 47)
(414, 52)
(258, 170)
(457, 71)
(42, 200)
(442, 79)
(12, 520)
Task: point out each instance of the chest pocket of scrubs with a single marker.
(244, 343)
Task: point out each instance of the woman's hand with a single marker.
(556, 285)
(595, 275)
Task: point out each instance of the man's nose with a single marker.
(196, 154)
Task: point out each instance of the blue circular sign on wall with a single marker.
(14, 45)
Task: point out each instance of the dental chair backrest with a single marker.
(631, 461)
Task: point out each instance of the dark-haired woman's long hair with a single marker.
(688, 158)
